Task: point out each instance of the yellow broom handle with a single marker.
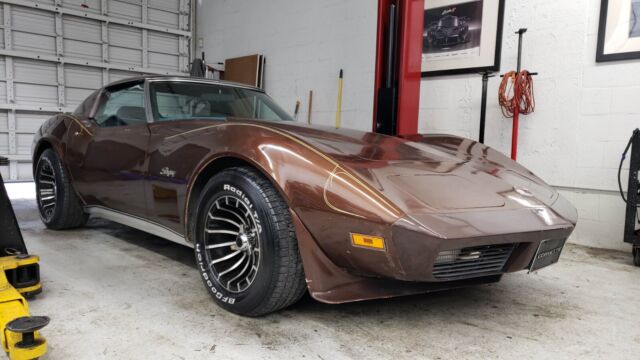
(339, 110)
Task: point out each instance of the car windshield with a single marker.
(176, 100)
(449, 21)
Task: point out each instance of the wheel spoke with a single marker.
(226, 257)
(246, 265)
(226, 220)
(233, 267)
(228, 232)
(232, 213)
(216, 246)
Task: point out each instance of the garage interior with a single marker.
(115, 292)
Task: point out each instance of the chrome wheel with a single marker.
(47, 189)
(232, 246)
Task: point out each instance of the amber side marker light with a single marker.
(367, 241)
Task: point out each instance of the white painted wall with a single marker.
(306, 43)
(584, 116)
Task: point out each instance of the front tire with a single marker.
(58, 204)
(245, 244)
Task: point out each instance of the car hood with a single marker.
(431, 173)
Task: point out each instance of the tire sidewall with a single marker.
(235, 183)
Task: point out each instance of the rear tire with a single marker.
(58, 203)
(245, 244)
(636, 255)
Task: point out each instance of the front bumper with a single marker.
(339, 272)
(511, 252)
(414, 243)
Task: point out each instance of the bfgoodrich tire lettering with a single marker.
(58, 204)
(245, 244)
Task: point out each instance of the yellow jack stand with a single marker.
(20, 336)
(19, 278)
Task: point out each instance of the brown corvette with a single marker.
(273, 207)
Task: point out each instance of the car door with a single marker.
(107, 160)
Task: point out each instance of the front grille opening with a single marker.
(472, 261)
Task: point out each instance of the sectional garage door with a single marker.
(53, 53)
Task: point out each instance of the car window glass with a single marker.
(173, 101)
(122, 107)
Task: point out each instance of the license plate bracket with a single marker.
(548, 253)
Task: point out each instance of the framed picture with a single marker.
(461, 36)
(619, 30)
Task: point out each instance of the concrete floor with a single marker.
(118, 293)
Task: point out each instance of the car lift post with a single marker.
(398, 67)
(631, 235)
(19, 278)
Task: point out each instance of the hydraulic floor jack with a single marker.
(631, 234)
(19, 279)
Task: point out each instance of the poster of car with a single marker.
(453, 31)
(619, 30)
(461, 36)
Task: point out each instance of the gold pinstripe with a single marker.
(79, 122)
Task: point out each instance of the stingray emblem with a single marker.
(167, 172)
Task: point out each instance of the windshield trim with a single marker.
(206, 81)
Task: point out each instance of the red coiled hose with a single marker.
(511, 95)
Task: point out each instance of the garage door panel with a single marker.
(4, 124)
(4, 143)
(29, 122)
(166, 5)
(90, 6)
(125, 56)
(126, 10)
(3, 91)
(120, 35)
(4, 170)
(35, 72)
(76, 76)
(75, 61)
(117, 75)
(32, 20)
(34, 43)
(164, 61)
(163, 18)
(24, 142)
(31, 94)
(82, 29)
(75, 96)
(163, 43)
(83, 50)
